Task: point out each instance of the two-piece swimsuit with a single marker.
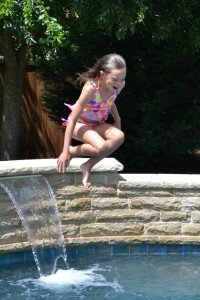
(96, 111)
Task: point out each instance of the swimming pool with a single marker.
(108, 272)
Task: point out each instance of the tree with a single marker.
(27, 28)
(33, 29)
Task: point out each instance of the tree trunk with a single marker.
(15, 63)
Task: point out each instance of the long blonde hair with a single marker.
(105, 64)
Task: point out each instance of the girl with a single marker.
(87, 121)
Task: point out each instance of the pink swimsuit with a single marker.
(96, 111)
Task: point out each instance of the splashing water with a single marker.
(79, 278)
(74, 281)
(36, 206)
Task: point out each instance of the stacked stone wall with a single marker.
(126, 208)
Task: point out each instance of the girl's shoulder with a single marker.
(91, 86)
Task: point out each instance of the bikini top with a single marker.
(96, 109)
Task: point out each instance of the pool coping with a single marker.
(49, 166)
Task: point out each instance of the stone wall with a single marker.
(166, 205)
(119, 208)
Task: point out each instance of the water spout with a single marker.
(36, 206)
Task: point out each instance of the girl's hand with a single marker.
(63, 162)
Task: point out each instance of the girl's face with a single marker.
(114, 80)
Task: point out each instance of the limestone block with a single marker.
(7, 209)
(4, 196)
(74, 192)
(49, 166)
(9, 221)
(109, 203)
(60, 180)
(13, 236)
(122, 192)
(156, 203)
(176, 216)
(195, 216)
(99, 178)
(11, 168)
(77, 217)
(99, 191)
(191, 229)
(95, 178)
(71, 192)
(70, 230)
(112, 240)
(144, 181)
(135, 239)
(127, 216)
(191, 203)
(111, 229)
(61, 205)
(162, 228)
(108, 164)
(171, 181)
(78, 204)
(111, 178)
(14, 247)
(179, 239)
(186, 193)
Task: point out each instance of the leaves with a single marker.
(31, 22)
(6, 8)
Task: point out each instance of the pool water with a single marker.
(145, 277)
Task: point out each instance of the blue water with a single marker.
(145, 277)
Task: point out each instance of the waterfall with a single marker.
(36, 206)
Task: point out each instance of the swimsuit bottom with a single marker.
(89, 122)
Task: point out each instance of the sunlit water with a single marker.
(170, 277)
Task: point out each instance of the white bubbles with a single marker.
(77, 278)
(68, 277)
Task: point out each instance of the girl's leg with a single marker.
(98, 143)
(113, 138)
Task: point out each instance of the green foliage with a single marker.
(176, 21)
(33, 23)
(106, 15)
(6, 8)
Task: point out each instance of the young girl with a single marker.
(87, 121)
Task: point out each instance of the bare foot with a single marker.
(86, 175)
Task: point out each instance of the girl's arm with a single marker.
(87, 93)
(115, 114)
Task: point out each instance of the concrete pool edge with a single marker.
(120, 208)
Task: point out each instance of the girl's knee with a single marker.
(119, 136)
(101, 149)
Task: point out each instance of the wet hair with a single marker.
(105, 64)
